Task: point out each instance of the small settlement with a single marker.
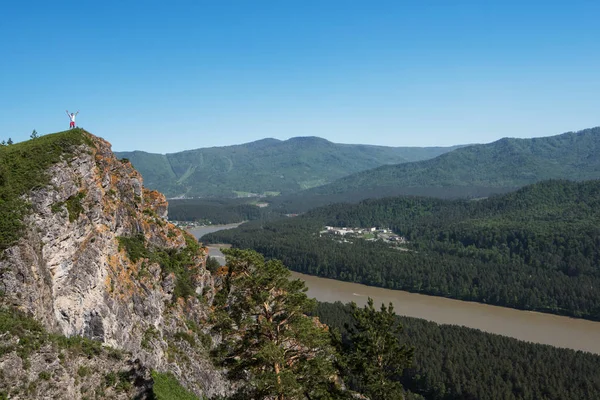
(188, 224)
(369, 234)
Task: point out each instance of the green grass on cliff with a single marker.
(23, 169)
(58, 353)
(32, 336)
(166, 387)
(176, 261)
(35, 340)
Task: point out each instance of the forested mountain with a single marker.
(267, 165)
(534, 249)
(454, 362)
(473, 171)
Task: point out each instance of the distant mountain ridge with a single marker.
(267, 165)
(479, 169)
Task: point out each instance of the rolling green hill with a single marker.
(264, 166)
(474, 171)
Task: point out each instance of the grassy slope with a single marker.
(22, 169)
(266, 165)
(506, 163)
(166, 387)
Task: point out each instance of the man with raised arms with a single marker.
(72, 118)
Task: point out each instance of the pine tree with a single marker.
(212, 264)
(375, 358)
(267, 339)
(34, 134)
(9, 141)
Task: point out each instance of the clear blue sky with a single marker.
(165, 76)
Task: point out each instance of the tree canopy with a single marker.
(374, 357)
(267, 337)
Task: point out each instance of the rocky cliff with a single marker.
(96, 258)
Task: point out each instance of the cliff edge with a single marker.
(92, 255)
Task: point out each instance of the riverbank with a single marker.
(554, 330)
(200, 231)
(535, 327)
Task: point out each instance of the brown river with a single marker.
(572, 333)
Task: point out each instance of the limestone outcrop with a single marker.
(75, 271)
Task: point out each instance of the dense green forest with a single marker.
(504, 164)
(264, 166)
(453, 362)
(232, 210)
(534, 249)
(218, 211)
(306, 200)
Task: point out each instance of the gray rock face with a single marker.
(54, 373)
(70, 273)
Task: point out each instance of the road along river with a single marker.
(215, 250)
(572, 333)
